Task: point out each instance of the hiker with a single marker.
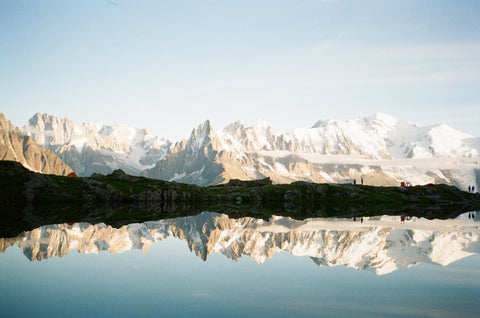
(469, 189)
(361, 180)
(354, 181)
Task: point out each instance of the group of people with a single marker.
(355, 181)
(471, 189)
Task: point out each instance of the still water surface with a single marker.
(210, 265)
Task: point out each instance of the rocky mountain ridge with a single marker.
(16, 146)
(381, 150)
(95, 147)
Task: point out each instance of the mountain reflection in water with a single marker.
(378, 244)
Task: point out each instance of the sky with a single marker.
(171, 65)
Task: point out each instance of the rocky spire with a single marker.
(16, 146)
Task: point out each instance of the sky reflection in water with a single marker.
(171, 281)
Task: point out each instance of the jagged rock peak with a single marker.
(50, 131)
(4, 123)
(47, 121)
(263, 126)
(201, 136)
(203, 129)
(234, 127)
(321, 123)
(96, 147)
(16, 146)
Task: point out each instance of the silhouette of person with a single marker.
(473, 189)
(354, 181)
(361, 180)
(361, 220)
(469, 189)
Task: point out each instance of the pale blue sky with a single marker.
(173, 64)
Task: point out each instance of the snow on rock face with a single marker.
(351, 137)
(377, 137)
(380, 148)
(384, 120)
(16, 146)
(448, 142)
(97, 145)
(50, 131)
(379, 244)
(200, 136)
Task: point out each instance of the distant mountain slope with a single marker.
(94, 147)
(381, 149)
(194, 160)
(16, 146)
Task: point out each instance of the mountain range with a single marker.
(16, 146)
(378, 150)
(379, 244)
(97, 148)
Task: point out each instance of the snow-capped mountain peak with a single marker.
(96, 147)
(381, 149)
(201, 134)
(49, 131)
(374, 147)
(261, 126)
(386, 120)
(321, 123)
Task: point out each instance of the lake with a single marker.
(211, 265)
